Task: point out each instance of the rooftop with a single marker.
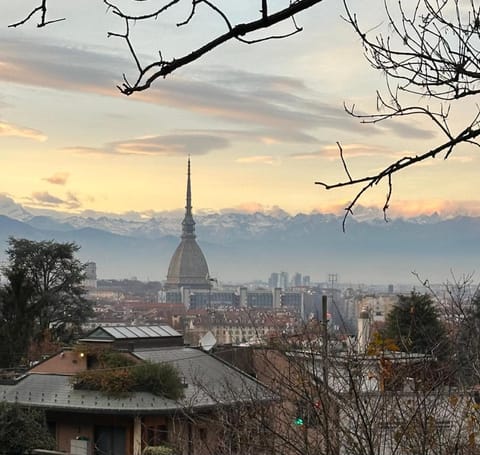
(208, 382)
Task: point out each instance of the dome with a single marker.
(188, 267)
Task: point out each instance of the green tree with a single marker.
(44, 294)
(414, 324)
(16, 318)
(23, 429)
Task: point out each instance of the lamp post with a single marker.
(210, 281)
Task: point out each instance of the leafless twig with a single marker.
(42, 8)
(428, 51)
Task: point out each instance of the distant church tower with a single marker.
(188, 267)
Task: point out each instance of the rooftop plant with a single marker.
(115, 374)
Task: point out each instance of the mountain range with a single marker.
(249, 246)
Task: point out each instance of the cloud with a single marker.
(402, 129)
(267, 136)
(171, 145)
(59, 178)
(406, 209)
(441, 207)
(332, 152)
(282, 105)
(42, 63)
(45, 199)
(254, 207)
(166, 145)
(8, 129)
(259, 159)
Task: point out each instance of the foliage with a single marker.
(111, 373)
(414, 325)
(158, 378)
(117, 375)
(56, 276)
(23, 429)
(43, 298)
(379, 345)
(16, 318)
(115, 383)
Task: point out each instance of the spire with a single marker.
(188, 225)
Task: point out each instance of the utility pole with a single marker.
(325, 401)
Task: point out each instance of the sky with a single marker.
(260, 122)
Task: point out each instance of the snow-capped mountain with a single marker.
(10, 208)
(245, 246)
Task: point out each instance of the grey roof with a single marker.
(132, 332)
(210, 382)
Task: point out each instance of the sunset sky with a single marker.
(260, 122)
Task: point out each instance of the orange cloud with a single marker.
(7, 129)
(254, 207)
(332, 152)
(59, 178)
(166, 145)
(407, 208)
(45, 199)
(444, 208)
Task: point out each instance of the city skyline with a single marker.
(260, 122)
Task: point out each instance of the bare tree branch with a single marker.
(430, 51)
(161, 68)
(150, 72)
(468, 135)
(43, 16)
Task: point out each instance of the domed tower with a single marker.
(188, 267)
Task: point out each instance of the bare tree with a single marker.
(372, 405)
(428, 49)
(145, 10)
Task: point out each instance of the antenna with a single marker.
(208, 341)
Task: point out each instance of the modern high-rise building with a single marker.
(90, 281)
(188, 267)
(273, 280)
(297, 279)
(283, 280)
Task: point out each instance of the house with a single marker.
(344, 403)
(91, 422)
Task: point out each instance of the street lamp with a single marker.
(210, 281)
